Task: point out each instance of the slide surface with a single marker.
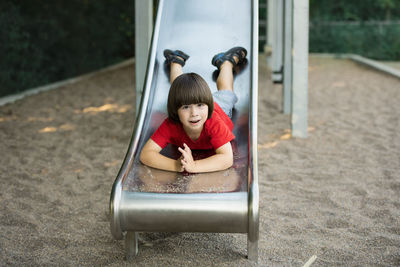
(200, 29)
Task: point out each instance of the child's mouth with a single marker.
(194, 122)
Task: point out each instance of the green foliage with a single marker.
(46, 41)
(355, 10)
(365, 27)
(380, 42)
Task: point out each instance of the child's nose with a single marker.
(193, 110)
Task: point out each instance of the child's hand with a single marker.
(187, 161)
(179, 166)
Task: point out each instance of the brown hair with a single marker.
(187, 89)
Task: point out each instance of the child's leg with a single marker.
(176, 60)
(225, 77)
(175, 71)
(225, 62)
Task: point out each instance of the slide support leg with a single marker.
(252, 249)
(131, 245)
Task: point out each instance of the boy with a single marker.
(194, 120)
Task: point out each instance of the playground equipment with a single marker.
(287, 38)
(149, 200)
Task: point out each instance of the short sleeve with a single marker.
(220, 134)
(162, 135)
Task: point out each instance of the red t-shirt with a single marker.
(216, 132)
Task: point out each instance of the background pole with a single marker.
(300, 68)
(143, 32)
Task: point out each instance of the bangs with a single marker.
(187, 89)
(193, 95)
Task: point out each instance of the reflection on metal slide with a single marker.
(149, 200)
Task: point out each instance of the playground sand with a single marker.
(335, 195)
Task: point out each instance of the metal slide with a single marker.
(149, 200)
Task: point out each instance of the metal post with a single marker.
(277, 44)
(143, 32)
(300, 68)
(131, 245)
(287, 58)
(270, 30)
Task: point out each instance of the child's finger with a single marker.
(182, 151)
(186, 147)
(184, 157)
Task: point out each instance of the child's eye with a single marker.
(185, 107)
(200, 104)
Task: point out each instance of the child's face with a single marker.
(193, 117)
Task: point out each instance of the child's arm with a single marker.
(151, 157)
(223, 159)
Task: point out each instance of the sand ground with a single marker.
(335, 195)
